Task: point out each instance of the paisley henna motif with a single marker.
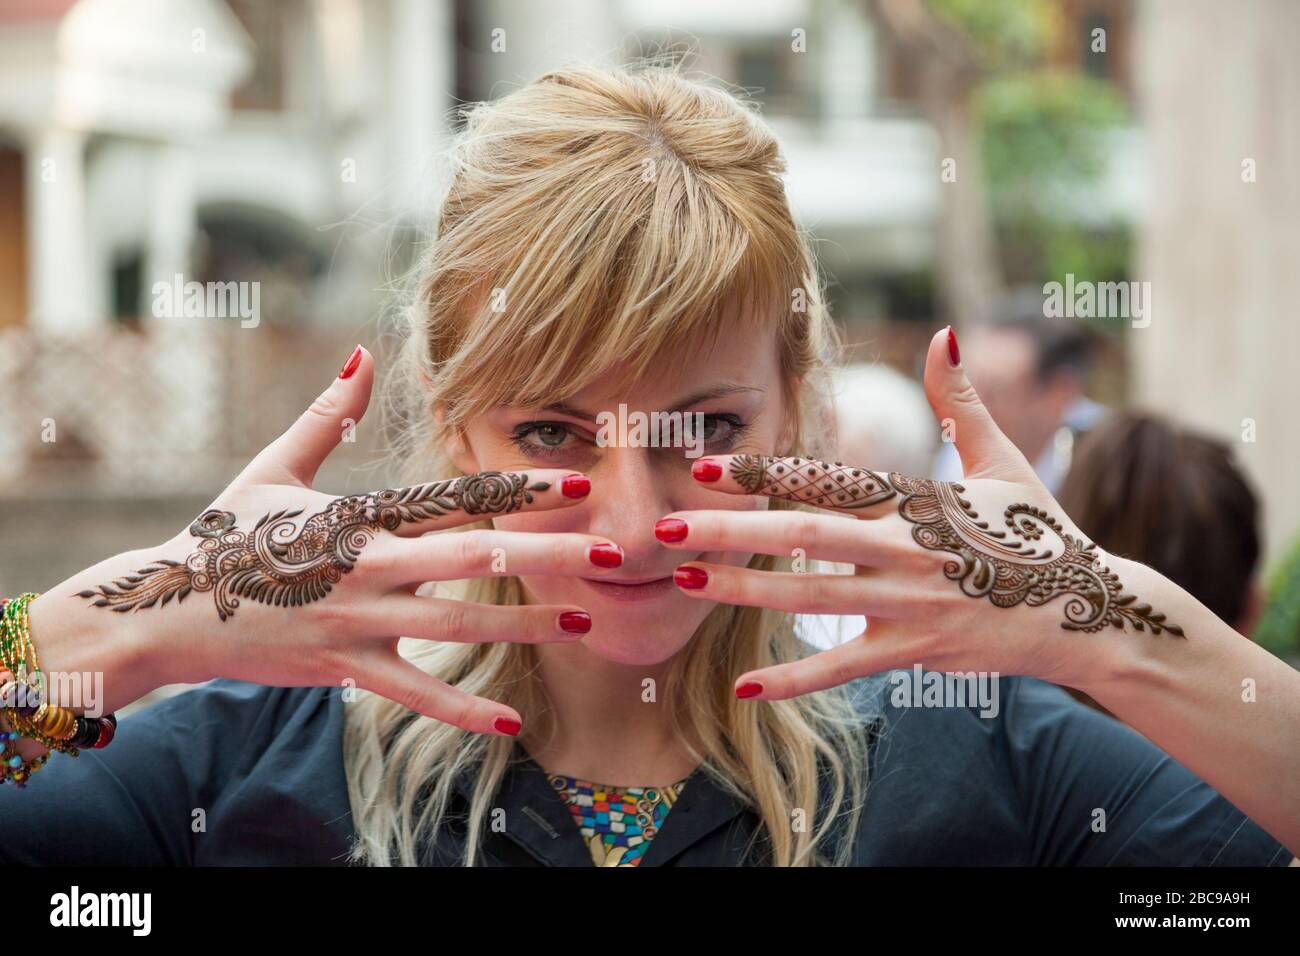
(280, 564)
(1033, 561)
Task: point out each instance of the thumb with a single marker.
(985, 451)
(297, 455)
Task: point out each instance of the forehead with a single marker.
(750, 360)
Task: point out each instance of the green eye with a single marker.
(552, 435)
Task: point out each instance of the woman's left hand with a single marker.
(987, 574)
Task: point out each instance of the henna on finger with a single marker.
(1010, 567)
(277, 563)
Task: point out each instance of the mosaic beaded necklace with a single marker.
(617, 823)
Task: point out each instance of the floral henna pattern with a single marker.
(1033, 562)
(280, 564)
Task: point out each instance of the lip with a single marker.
(642, 590)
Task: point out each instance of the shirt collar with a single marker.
(537, 818)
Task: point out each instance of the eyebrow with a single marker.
(721, 391)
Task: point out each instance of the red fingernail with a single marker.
(506, 725)
(575, 486)
(954, 354)
(605, 555)
(691, 578)
(670, 530)
(751, 688)
(706, 469)
(575, 622)
(351, 364)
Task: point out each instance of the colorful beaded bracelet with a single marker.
(57, 728)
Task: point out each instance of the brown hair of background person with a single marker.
(1144, 489)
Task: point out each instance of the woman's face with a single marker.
(644, 619)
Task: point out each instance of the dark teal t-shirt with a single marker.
(240, 774)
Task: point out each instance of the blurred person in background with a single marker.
(1146, 490)
(1031, 371)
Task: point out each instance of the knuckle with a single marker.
(325, 406)
(410, 697)
(337, 663)
(843, 671)
(808, 533)
(379, 559)
(819, 591)
(333, 617)
(454, 623)
(471, 549)
(967, 397)
(564, 550)
(461, 712)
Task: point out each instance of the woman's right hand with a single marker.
(279, 584)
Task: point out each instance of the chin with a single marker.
(641, 648)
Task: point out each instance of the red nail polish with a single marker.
(751, 688)
(507, 725)
(670, 530)
(690, 578)
(575, 486)
(351, 364)
(605, 555)
(954, 353)
(575, 622)
(706, 469)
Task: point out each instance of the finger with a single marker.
(297, 455)
(484, 553)
(788, 591)
(985, 451)
(464, 622)
(418, 509)
(396, 678)
(834, 485)
(823, 537)
(859, 657)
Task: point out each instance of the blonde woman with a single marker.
(599, 664)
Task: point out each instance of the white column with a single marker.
(422, 77)
(172, 217)
(848, 68)
(182, 349)
(55, 185)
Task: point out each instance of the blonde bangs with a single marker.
(630, 244)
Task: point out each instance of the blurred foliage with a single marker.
(1279, 626)
(1043, 137)
(1003, 34)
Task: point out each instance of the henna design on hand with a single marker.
(278, 564)
(812, 482)
(1020, 567)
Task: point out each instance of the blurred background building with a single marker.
(944, 153)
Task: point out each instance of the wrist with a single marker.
(1125, 661)
(109, 661)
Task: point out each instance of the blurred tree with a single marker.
(1026, 137)
(1278, 630)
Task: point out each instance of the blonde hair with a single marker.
(596, 219)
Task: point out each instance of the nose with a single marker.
(631, 489)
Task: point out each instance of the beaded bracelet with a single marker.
(57, 728)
